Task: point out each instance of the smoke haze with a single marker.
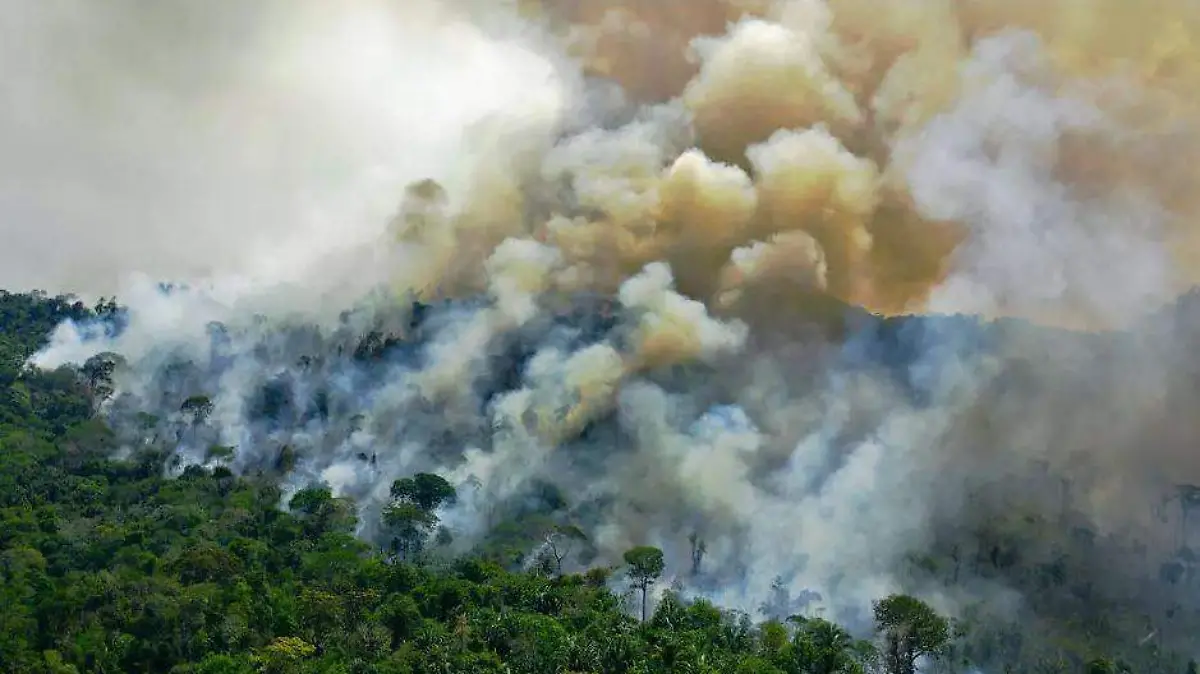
(638, 230)
(249, 139)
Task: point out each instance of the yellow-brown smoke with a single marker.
(770, 149)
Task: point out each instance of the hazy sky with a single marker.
(177, 138)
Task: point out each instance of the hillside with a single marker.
(113, 565)
(110, 566)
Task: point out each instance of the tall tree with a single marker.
(321, 513)
(424, 490)
(196, 409)
(823, 647)
(645, 566)
(411, 516)
(409, 526)
(910, 630)
(98, 375)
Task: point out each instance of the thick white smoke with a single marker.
(266, 141)
(1039, 242)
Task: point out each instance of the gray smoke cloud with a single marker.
(637, 291)
(262, 141)
(1038, 238)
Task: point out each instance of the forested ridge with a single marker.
(108, 565)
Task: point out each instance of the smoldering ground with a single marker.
(647, 267)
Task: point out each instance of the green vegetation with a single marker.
(645, 566)
(108, 566)
(911, 631)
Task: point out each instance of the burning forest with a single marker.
(825, 299)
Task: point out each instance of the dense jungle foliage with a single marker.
(109, 566)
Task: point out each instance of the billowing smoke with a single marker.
(239, 140)
(646, 252)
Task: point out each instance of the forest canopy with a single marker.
(108, 565)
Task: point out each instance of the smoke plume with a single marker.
(694, 264)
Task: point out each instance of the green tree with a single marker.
(321, 513)
(196, 410)
(424, 490)
(645, 565)
(284, 655)
(98, 375)
(822, 647)
(910, 630)
(409, 526)
(411, 516)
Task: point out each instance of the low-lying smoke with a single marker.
(637, 228)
